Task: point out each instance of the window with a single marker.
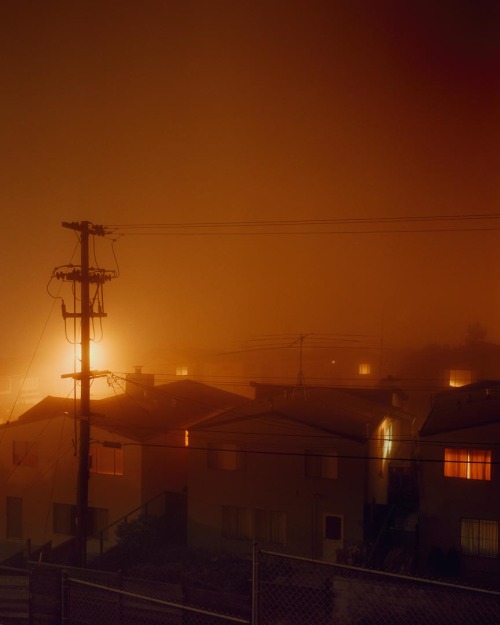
(24, 454)
(321, 463)
(365, 368)
(14, 518)
(333, 527)
(106, 460)
(469, 464)
(226, 456)
(237, 522)
(460, 377)
(268, 526)
(479, 538)
(64, 519)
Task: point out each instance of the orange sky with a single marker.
(182, 111)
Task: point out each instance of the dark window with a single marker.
(333, 527)
(14, 518)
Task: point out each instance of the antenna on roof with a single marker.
(301, 381)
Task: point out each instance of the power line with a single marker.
(304, 226)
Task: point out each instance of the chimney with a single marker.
(138, 385)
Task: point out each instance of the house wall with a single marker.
(391, 444)
(273, 478)
(445, 501)
(164, 464)
(52, 478)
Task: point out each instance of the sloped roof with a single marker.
(382, 393)
(175, 406)
(465, 407)
(50, 406)
(325, 409)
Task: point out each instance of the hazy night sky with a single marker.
(123, 112)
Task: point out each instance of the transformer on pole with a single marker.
(86, 276)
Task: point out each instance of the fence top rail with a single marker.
(170, 604)
(13, 569)
(406, 578)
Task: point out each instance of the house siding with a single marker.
(445, 501)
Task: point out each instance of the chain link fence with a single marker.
(295, 591)
(87, 603)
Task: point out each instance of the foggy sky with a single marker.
(123, 112)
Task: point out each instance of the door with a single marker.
(333, 536)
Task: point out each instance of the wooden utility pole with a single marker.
(86, 276)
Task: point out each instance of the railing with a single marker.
(108, 534)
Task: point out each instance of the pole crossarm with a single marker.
(87, 227)
(92, 374)
(86, 276)
(73, 273)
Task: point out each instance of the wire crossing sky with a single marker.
(264, 167)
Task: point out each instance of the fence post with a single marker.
(255, 584)
(101, 543)
(64, 597)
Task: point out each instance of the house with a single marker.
(459, 483)
(39, 467)
(307, 473)
(137, 452)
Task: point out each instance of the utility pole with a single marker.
(86, 276)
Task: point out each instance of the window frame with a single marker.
(467, 464)
(474, 538)
(103, 456)
(226, 457)
(13, 518)
(265, 525)
(321, 463)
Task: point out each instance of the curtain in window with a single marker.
(479, 465)
(455, 462)
(237, 522)
(479, 538)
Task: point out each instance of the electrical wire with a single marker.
(239, 413)
(303, 226)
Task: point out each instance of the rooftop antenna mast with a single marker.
(301, 380)
(85, 275)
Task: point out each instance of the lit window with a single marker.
(24, 454)
(469, 464)
(186, 438)
(460, 377)
(267, 526)
(226, 456)
(365, 368)
(181, 370)
(106, 460)
(479, 538)
(321, 463)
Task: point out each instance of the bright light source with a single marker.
(460, 377)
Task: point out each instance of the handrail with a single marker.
(100, 534)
